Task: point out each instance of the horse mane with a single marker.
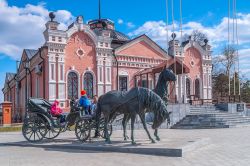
(152, 101)
(161, 87)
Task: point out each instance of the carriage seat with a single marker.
(40, 104)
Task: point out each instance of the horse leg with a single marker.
(142, 116)
(124, 125)
(132, 129)
(156, 135)
(106, 135)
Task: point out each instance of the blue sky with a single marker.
(22, 23)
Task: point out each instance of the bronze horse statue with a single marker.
(133, 102)
(161, 89)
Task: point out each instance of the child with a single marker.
(84, 102)
(56, 111)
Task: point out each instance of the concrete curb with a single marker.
(157, 151)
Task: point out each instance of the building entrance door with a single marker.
(123, 83)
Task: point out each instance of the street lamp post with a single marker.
(117, 69)
(26, 66)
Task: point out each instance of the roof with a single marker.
(160, 49)
(166, 63)
(10, 76)
(30, 52)
(115, 35)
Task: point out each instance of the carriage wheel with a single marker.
(82, 129)
(110, 130)
(53, 134)
(34, 129)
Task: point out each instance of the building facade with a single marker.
(97, 58)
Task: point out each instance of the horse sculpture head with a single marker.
(167, 75)
(160, 116)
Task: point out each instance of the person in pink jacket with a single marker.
(55, 110)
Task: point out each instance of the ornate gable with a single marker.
(142, 46)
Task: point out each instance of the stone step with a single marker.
(227, 117)
(218, 116)
(203, 109)
(210, 116)
(200, 127)
(214, 113)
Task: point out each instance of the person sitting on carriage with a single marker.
(56, 111)
(94, 105)
(84, 103)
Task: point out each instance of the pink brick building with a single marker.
(85, 56)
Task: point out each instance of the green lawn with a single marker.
(10, 129)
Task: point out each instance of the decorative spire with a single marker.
(173, 36)
(52, 16)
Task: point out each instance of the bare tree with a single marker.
(228, 58)
(197, 36)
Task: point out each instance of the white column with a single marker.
(184, 88)
(100, 76)
(108, 70)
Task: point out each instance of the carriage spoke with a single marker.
(38, 135)
(34, 136)
(31, 135)
(28, 132)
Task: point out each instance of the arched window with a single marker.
(188, 87)
(88, 84)
(197, 88)
(72, 85)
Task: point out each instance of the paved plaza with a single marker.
(227, 147)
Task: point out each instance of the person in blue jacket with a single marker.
(85, 103)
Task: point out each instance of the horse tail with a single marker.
(98, 111)
(98, 117)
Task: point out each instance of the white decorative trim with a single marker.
(123, 73)
(84, 28)
(195, 45)
(82, 54)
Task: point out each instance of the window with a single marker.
(197, 88)
(100, 74)
(60, 39)
(106, 44)
(205, 80)
(188, 87)
(37, 87)
(123, 83)
(101, 44)
(72, 85)
(61, 72)
(144, 83)
(52, 71)
(88, 84)
(108, 75)
(53, 38)
(209, 80)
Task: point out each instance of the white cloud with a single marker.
(130, 25)
(22, 27)
(120, 21)
(216, 34)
